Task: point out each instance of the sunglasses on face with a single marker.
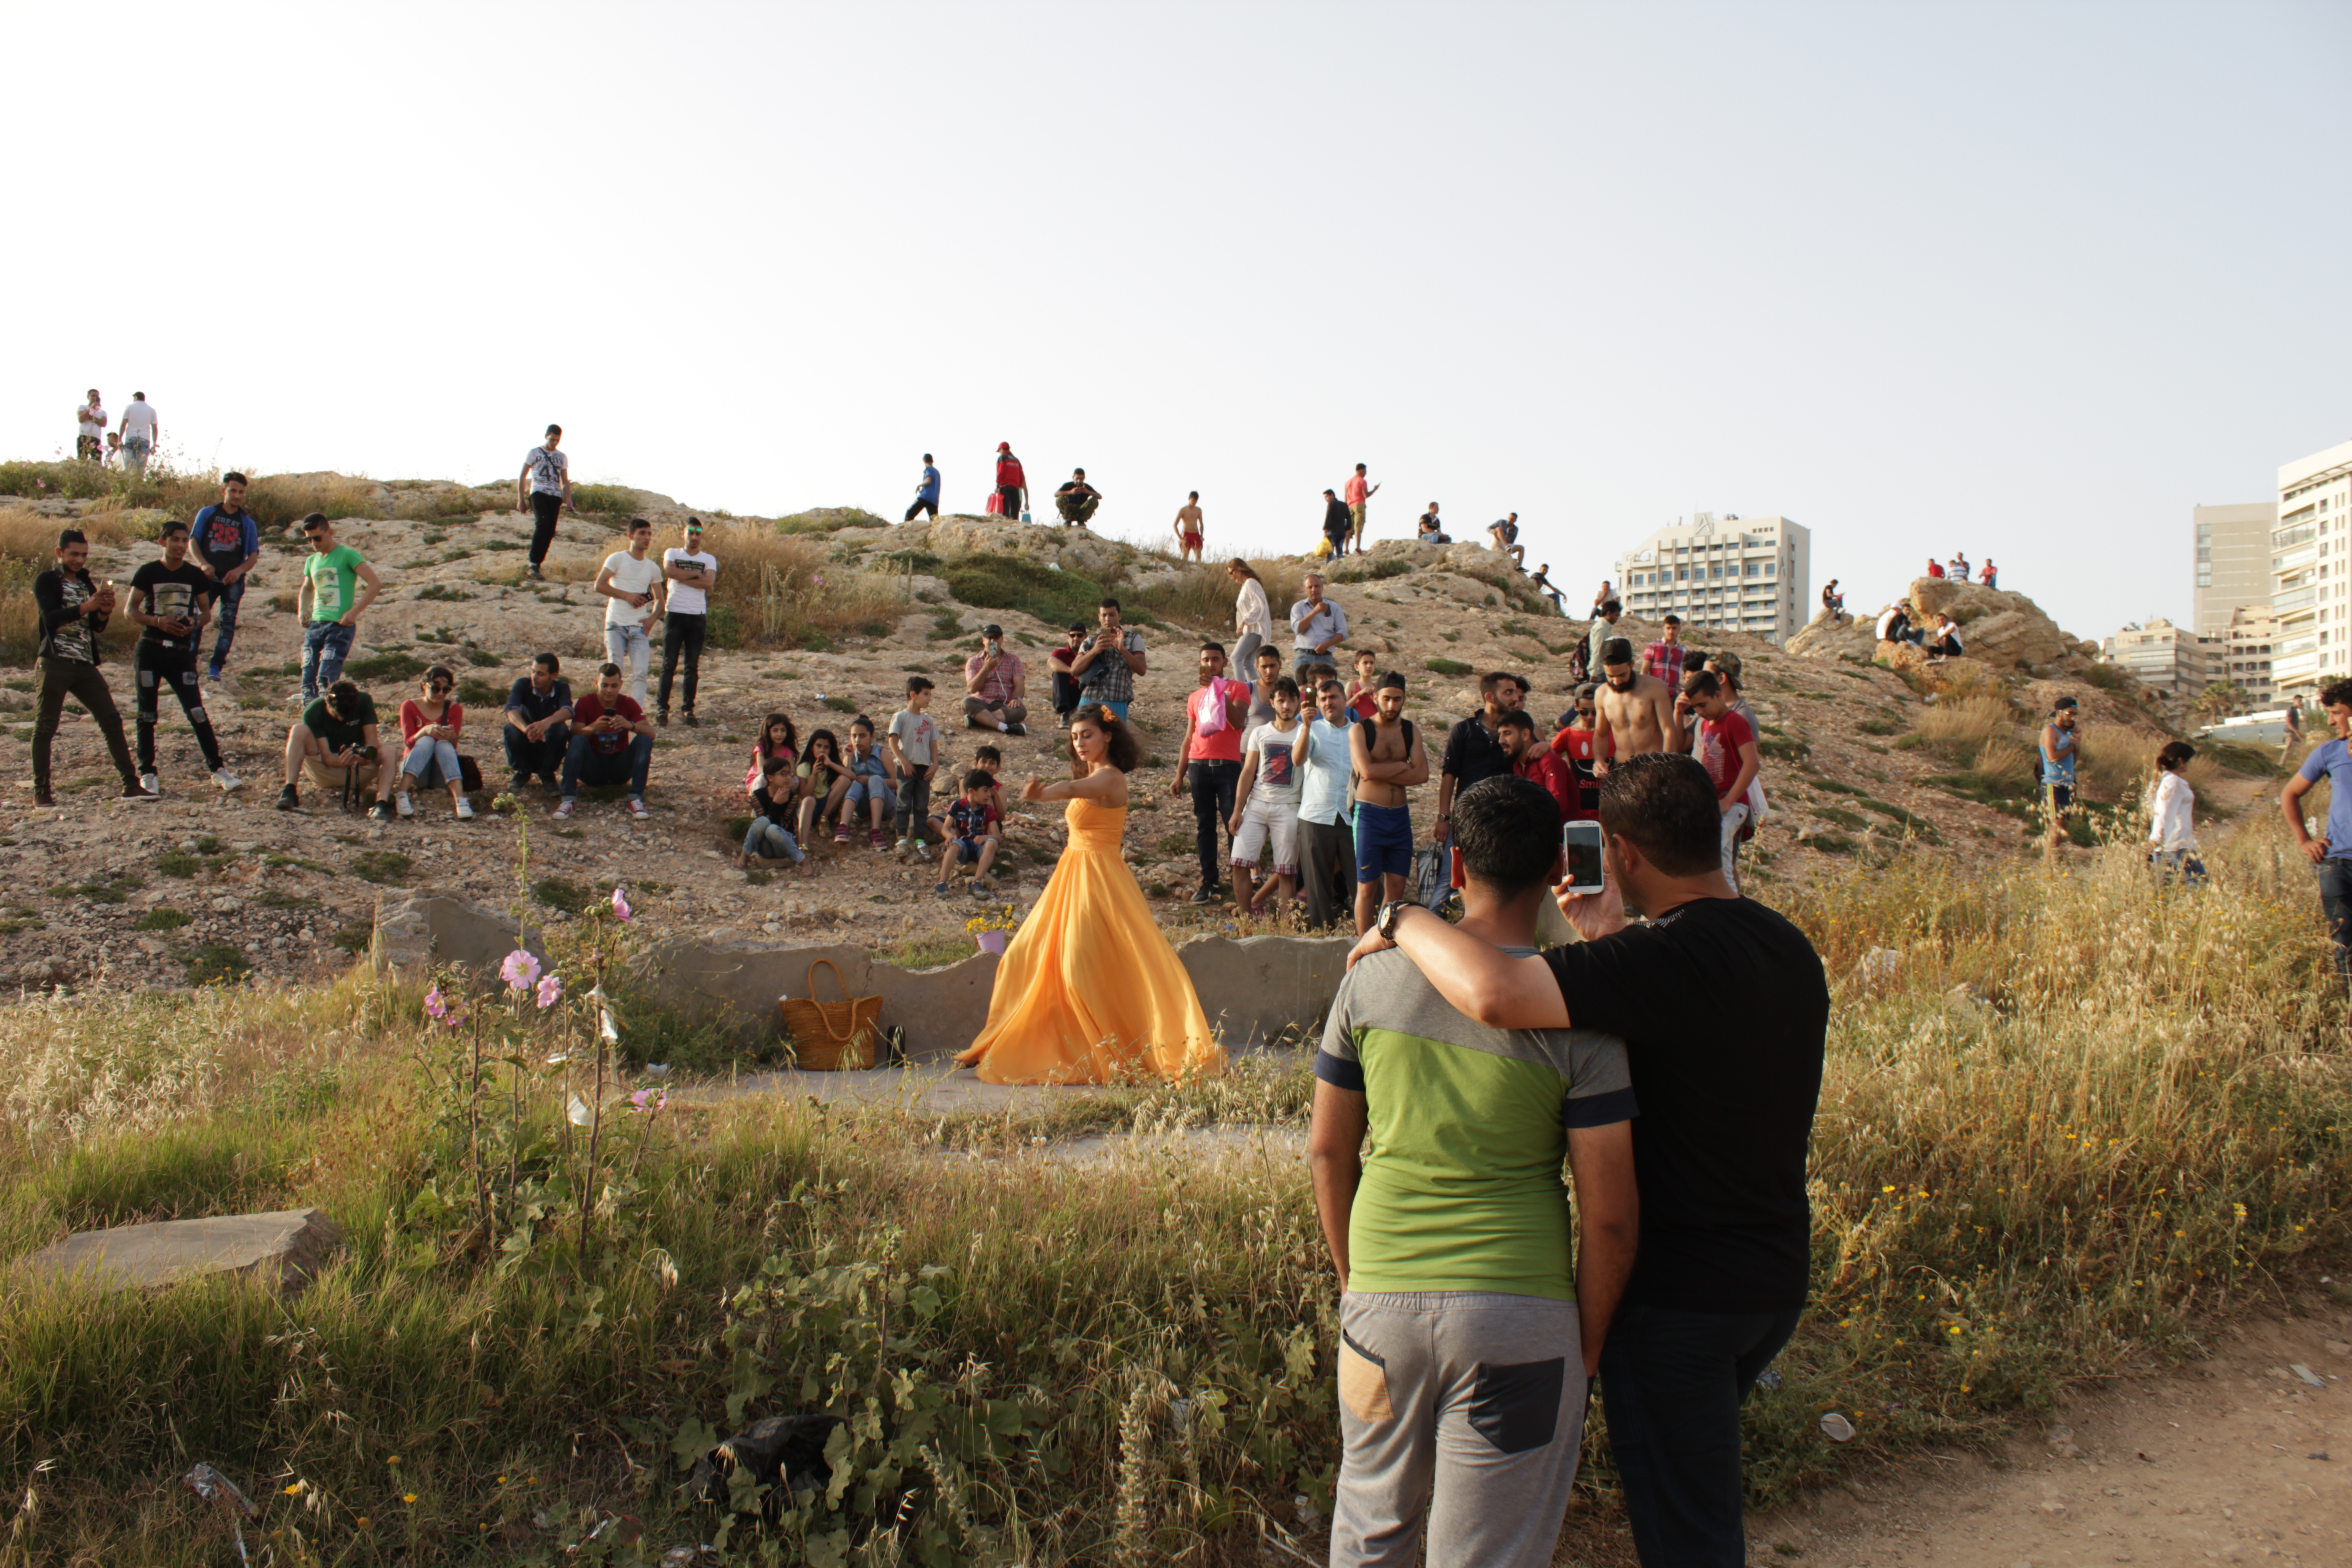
(439, 686)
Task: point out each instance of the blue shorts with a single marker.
(1383, 842)
(967, 851)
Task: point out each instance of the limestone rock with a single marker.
(2007, 630)
(1836, 636)
(283, 1251)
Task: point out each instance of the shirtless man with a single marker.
(1388, 760)
(1188, 529)
(1635, 712)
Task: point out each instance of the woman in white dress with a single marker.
(1253, 619)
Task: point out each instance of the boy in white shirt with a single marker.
(631, 581)
(692, 575)
(1266, 803)
(914, 747)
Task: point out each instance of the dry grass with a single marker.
(1959, 728)
(2120, 765)
(781, 590)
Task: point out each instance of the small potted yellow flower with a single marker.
(992, 931)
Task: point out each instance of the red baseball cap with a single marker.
(1004, 446)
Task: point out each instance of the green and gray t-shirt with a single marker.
(1462, 1187)
(332, 574)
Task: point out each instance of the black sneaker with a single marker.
(690, 720)
(286, 799)
(1016, 729)
(381, 811)
(1209, 894)
(138, 792)
(45, 798)
(661, 718)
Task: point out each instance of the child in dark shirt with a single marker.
(969, 840)
(770, 834)
(990, 761)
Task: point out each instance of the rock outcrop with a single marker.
(2007, 631)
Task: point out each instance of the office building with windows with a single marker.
(1733, 573)
(2308, 556)
(2244, 656)
(2165, 657)
(2232, 558)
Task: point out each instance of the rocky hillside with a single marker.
(203, 885)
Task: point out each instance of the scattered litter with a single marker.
(1837, 1427)
(659, 1070)
(2307, 1375)
(578, 1111)
(1770, 1378)
(689, 1556)
(2316, 1456)
(782, 1455)
(213, 1487)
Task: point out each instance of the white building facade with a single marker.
(2311, 546)
(1749, 575)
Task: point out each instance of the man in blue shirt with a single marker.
(927, 494)
(226, 544)
(2332, 854)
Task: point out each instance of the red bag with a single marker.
(995, 507)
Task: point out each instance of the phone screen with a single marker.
(1581, 843)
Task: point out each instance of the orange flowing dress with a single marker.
(1088, 991)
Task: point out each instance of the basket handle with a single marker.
(843, 986)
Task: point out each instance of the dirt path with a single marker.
(2233, 1460)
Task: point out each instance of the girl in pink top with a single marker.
(777, 739)
(430, 727)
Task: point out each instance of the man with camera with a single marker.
(996, 687)
(1724, 1010)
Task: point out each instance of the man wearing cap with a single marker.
(1012, 484)
(994, 691)
(1076, 499)
(2061, 743)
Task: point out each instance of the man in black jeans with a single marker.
(544, 490)
(171, 599)
(73, 610)
(1209, 762)
(1724, 1011)
(538, 731)
(692, 575)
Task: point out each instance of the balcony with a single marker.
(2295, 598)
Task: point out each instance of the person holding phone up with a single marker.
(996, 687)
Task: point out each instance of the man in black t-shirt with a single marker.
(1724, 1010)
(1474, 753)
(171, 598)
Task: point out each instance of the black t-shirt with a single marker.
(172, 593)
(1724, 1011)
(218, 535)
(1473, 753)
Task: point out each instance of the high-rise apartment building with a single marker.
(2232, 558)
(2245, 654)
(1748, 574)
(2165, 658)
(2311, 546)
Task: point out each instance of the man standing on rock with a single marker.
(996, 687)
(692, 575)
(1323, 759)
(1475, 753)
(171, 599)
(1188, 529)
(1634, 713)
(1359, 497)
(1210, 760)
(227, 545)
(327, 578)
(1604, 626)
(927, 492)
(1107, 662)
(1318, 626)
(1012, 484)
(140, 430)
(538, 734)
(1336, 524)
(2061, 743)
(90, 430)
(632, 581)
(73, 611)
(544, 489)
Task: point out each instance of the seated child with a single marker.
(990, 761)
(970, 839)
(773, 803)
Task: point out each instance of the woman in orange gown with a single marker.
(1088, 991)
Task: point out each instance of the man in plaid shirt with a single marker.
(1663, 659)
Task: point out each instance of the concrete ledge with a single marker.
(282, 1251)
(416, 930)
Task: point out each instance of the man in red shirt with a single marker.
(1209, 762)
(1578, 747)
(1358, 496)
(1726, 744)
(1934, 567)
(1532, 760)
(1012, 484)
(1663, 659)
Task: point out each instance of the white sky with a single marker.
(2029, 280)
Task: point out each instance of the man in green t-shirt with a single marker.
(332, 573)
(1466, 1336)
(334, 747)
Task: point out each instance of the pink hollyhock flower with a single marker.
(519, 970)
(621, 911)
(551, 991)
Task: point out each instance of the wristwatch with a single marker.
(1385, 922)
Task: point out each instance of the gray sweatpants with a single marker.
(1470, 1403)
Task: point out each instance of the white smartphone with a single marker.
(1580, 842)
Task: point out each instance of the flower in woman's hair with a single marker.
(551, 991)
(519, 970)
(621, 911)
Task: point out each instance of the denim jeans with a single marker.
(432, 762)
(1214, 785)
(633, 650)
(1672, 1382)
(771, 841)
(583, 764)
(134, 456)
(325, 646)
(232, 594)
(2335, 905)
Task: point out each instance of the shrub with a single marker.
(605, 500)
(1016, 583)
(1958, 729)
(777, 591)
(217, 964)
(1447, 666)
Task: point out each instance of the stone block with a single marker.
(283, 1251)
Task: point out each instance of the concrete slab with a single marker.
(282, 1250)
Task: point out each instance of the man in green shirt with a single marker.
(329, 575)
(1468, 1335)
(334, 745)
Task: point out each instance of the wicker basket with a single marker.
(831, 1037)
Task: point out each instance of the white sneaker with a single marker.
(229, 782)
(407, 806)
(465, 809)
(147, 783)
